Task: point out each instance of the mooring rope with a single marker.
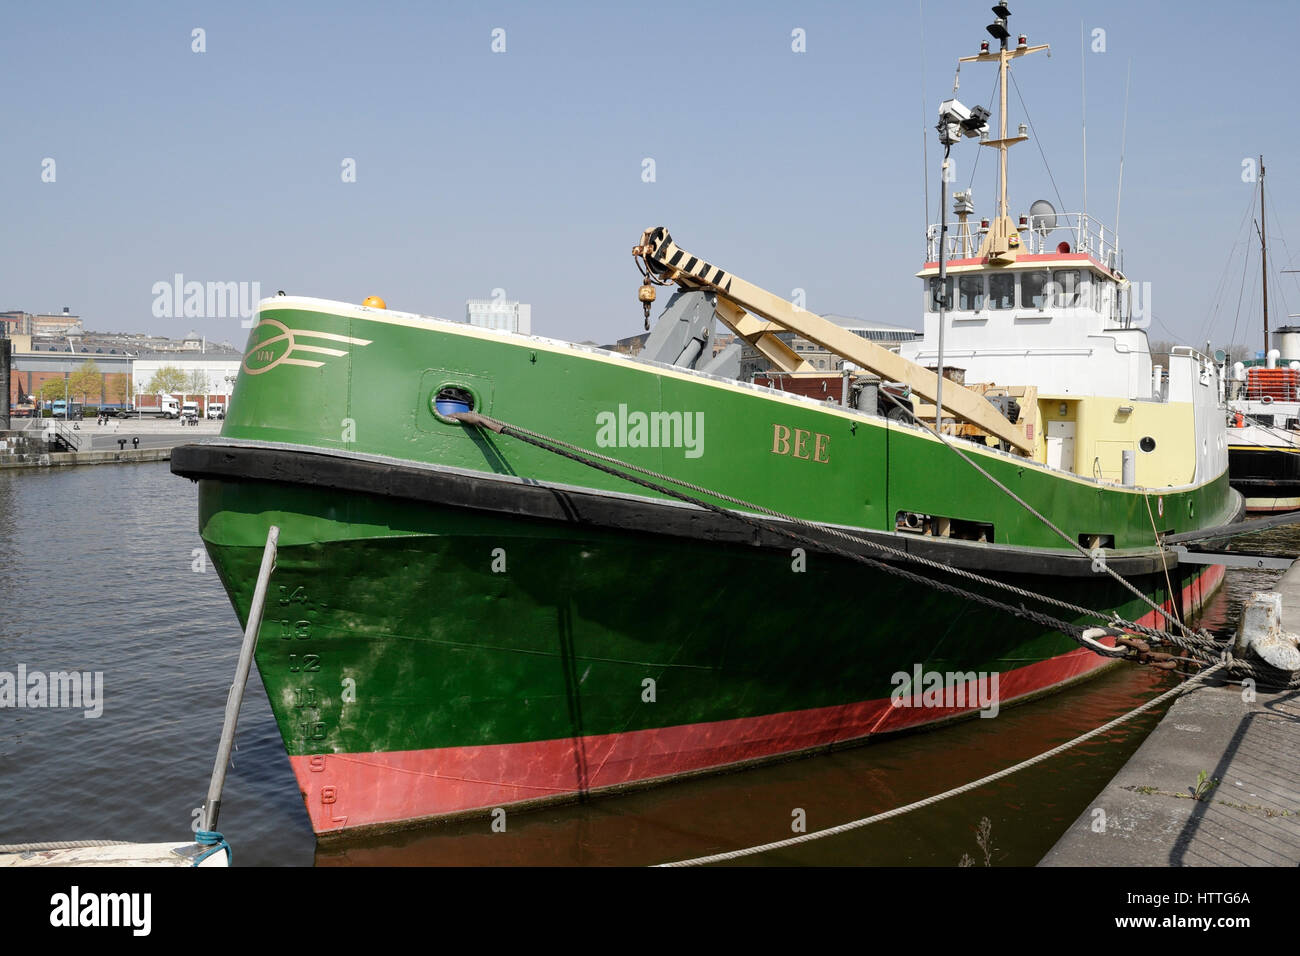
(58, 845)
(1124, 582)
(1112, 619)
(1203, 646)
(1169, 587)
(541, 441)
(956, 791)
(215, 843)
(1201, 643)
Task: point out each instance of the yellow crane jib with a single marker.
(662, 262)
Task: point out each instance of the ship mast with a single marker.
(1263, 251)
(1003, 239)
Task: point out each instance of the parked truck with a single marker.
(167, 407)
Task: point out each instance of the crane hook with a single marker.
(647, 296)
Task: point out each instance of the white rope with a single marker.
(928, 801)
(58, 845)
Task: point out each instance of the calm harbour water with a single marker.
(97, 576)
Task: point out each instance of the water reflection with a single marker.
(99, 575)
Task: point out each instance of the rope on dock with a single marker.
(973, 785)
(57, 845)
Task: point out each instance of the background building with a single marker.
(18, 322)
(34, 365)
(209, 376)
(126, 377)
(500, 314)
(56, 323)
(752, 361)
(632, 345)
(15, 322)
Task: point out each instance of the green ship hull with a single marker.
(461, 621)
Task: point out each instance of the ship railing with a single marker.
(1284, 392)
(1194, 353)
(1207, 368)
(1080, 232)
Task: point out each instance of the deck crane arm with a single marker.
(666, 262)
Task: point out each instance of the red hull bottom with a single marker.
(350, 791)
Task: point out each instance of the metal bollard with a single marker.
(135, 442)
(1261, 632)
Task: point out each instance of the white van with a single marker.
(216, 409)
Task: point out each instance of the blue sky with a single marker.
(522, 170)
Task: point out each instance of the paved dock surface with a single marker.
(161, 430)
(1150, 815)
(116, 441)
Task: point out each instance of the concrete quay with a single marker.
(1217, 783)
(121, 441)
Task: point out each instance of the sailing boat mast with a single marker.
(1263, 251)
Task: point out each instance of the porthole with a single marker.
(1147, 443)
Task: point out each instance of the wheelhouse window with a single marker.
(1033, 289)
(932, 300)
(1069, 288)
(1002, 291)
(970, 293)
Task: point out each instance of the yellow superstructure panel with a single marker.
(1094, 432)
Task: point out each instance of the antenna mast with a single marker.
(1123, 139)
(1083, 93)
(1263, 251)
(1003, 239)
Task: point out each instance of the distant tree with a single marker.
(119, 389)
(1160, 350)
(1239, 352)
(196, 382)
(53, 389)
(86, 381)
(167, 380)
